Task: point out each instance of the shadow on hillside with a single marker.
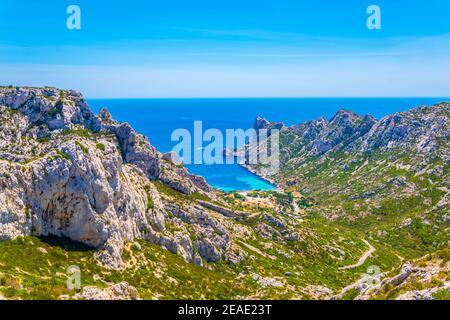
(66, 243)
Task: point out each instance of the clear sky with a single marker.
(228, 48)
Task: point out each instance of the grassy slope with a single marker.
(384, 205)
(28, 273)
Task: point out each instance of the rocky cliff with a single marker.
(67, 172)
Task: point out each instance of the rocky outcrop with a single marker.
(405, 272)
(136, 150)
(421, 279)
(57, 109)
(225, 211)
(267, 282)
(425, 294)
(261, 123)
(67, 172)
(119, 291)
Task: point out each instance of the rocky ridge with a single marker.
(417, 130)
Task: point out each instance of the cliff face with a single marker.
(67, 172)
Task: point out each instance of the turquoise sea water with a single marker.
(157, 118)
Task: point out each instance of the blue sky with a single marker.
(228, 48)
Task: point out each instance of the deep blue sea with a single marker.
(157, 118)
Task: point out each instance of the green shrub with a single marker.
(100, 146)
(62, 155)
(442, 294)
(150, 203)
(52, 112)
(82, 147)
(27, 212)
(43, 139)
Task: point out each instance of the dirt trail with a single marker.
(363, 257)
(257, 251)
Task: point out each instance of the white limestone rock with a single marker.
(68, 173)
(119, 291)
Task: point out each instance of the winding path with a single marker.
(363, 257)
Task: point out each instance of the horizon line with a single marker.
(293, 97)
